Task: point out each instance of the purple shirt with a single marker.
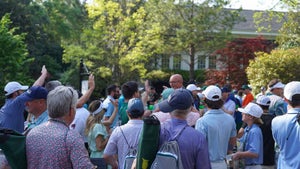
(192, 144)
(53, 145)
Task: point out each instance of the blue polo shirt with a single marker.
(41, 119)
(12, 113)
(218, 127)
(107, 104)
(253, 141)
(286, 132)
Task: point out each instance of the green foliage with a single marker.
(189, 27)
(157, 74)
(13, 55)
(47, 24)
(289, 33)
(125, 37)
(199, 75)
(281, 64)
(115, 46)
(63, 19)
(71, 76)
(164, 75)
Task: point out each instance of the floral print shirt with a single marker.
(52, 145)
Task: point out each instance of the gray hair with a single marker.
(60, 101)
(52, 85)
(178, 112)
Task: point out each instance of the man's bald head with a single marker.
(176, 81)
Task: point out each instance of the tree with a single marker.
(190, 27)
(58, 22)
(13, 55)
(280, 63)
(235, 57)
(47, 24)
(289, 33)
(112, 46)
(214, 77)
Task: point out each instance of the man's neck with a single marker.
(38, 114)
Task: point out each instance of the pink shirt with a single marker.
(162, 117)
(192, 118)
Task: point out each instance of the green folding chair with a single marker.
(13, 144)
(148, 142)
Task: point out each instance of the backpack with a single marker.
(168, 156)
(148, 142)
(131, 154)
(13, 145)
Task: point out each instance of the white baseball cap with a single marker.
(277, 85)
(11, 87)
(212, 93)
(291, 89)
(263, 100)
(192, 87)
(252, 109)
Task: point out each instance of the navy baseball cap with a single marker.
(135, 106)
(181, 99)
(225, 90)
(36, 92)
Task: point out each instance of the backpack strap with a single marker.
(125, 138)
(296, 120)
(178, 135)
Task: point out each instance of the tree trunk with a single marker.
(192, 62)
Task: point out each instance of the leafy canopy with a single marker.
(279, 64)
(13, 55)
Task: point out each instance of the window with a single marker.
(177, 62)
(165, 60)
(201, 61)
(212, 62)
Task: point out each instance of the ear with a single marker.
(128, 114)
(69, 117)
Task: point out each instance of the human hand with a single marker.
(44, 70)
(133, 164)
(91, 82)
(115, 103)
(165, 87)
(193, 109)
(236, 156)
(147, 113)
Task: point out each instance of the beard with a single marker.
(116, 96)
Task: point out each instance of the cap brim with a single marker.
(242, 110)
(263, 104)
(165, 107)
(24, 87)
(6, 94)
(278, 85)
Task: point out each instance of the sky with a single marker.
(248, 4)
(254, 4)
